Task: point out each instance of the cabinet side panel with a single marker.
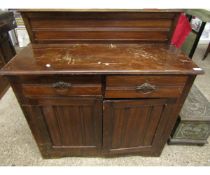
(165, 131)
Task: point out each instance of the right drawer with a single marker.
(144, 86)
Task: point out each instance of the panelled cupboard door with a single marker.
(132, 125)
(74, 124)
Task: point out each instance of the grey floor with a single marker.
(203, 81)
(17, 146)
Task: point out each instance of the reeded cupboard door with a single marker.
(133, 125)
(73, 124)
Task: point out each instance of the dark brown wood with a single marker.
(7, 51)
(99, 26)
(6, 47)
(55, 86)
(4, 84)
(130, 125)
(28, 27)
(91, 97)
(44, 59)
(128, 86)
(168, 127)
(7, 21)
(63, 24)
(73, 123)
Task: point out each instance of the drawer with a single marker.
(144, 86)
(62, 86)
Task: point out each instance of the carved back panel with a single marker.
(100, 26)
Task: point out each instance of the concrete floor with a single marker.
(17, 146)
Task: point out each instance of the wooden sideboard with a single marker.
(100, 82)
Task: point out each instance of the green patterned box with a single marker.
(193, 126)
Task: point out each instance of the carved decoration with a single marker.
(193, 131)
(146, 88)
(61, 85)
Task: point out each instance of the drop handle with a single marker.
(61, 85)
(145, 88)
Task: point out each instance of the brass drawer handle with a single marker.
(61, 85)
(146, 88)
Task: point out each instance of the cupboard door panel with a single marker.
(131, 125)
(74, 124)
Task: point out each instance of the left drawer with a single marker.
(61, 86)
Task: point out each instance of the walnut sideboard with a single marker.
(100, 82)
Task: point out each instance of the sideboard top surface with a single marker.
(100, 59)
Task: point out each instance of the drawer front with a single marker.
(62, 86)
(144, 86)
